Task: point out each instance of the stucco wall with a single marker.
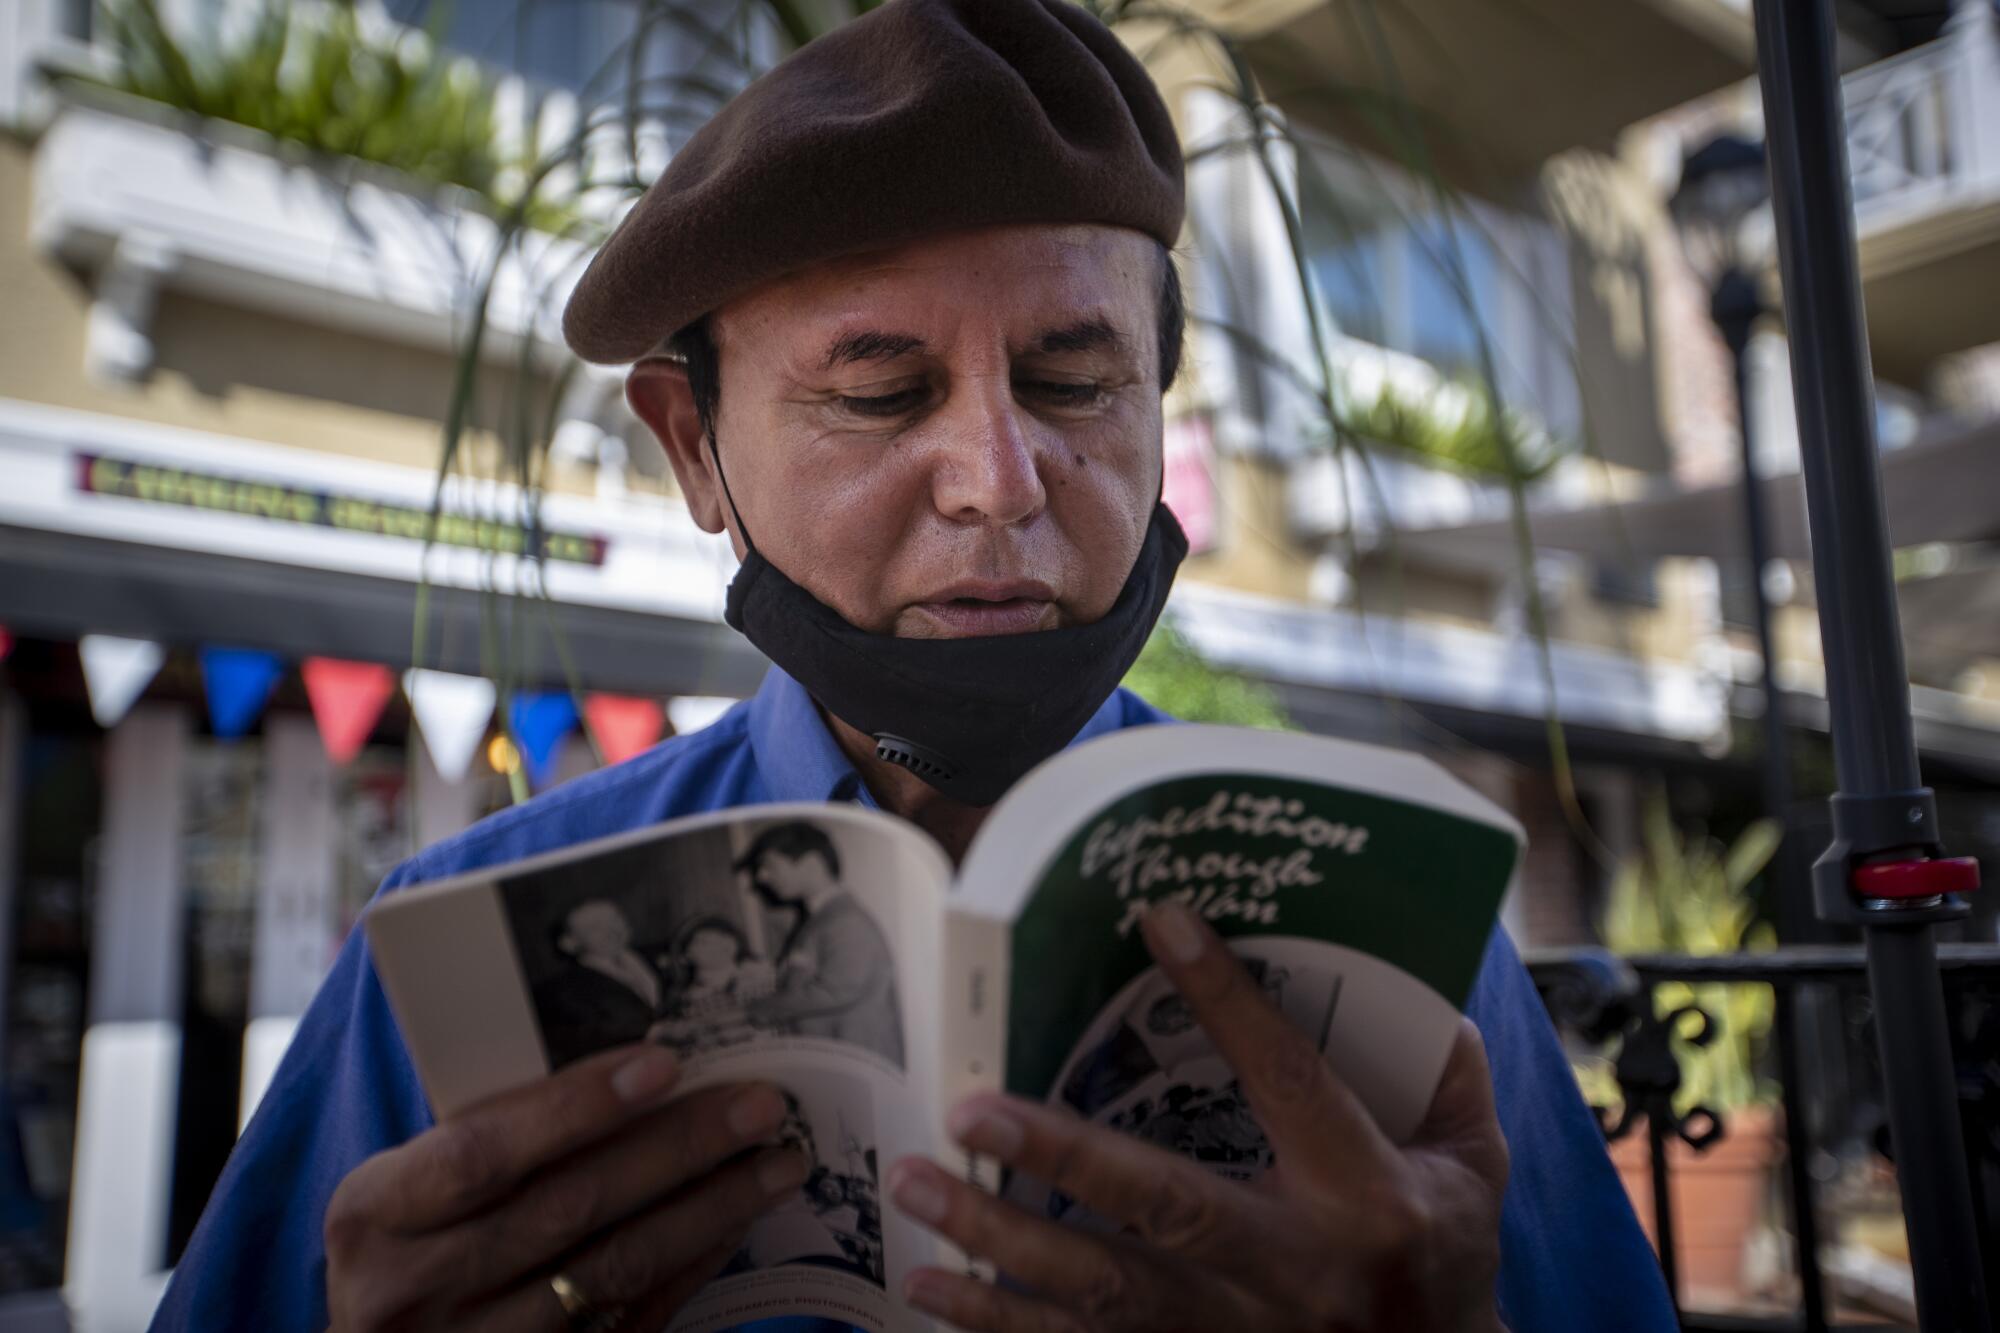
(231, 371)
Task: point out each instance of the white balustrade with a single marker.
(1923, 127)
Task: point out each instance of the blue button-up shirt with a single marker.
(1573, 1259)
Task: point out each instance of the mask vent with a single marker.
(929, 765)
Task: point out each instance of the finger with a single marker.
(457, 1168)
(982, 1307)
(659, 1309)
(535, 1307)
(657, 1248)
(1168, 1201)
(1105, 1281)
(654, 1264)
(1462, 1117)
(568, 1202)
(1310, 1116)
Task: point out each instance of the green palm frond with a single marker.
(1687, 893)
(1458, 428)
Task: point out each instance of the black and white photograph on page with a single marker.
(704, 943)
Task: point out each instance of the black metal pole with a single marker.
(1882, 811)
(1736, 305)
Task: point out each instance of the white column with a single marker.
(131, 1050)
(1974, 28)
(1243, 275)
(135, 950)
(294, 941)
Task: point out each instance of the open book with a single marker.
(831, 950)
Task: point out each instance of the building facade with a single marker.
(229, 364)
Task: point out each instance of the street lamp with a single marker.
(1723, 183)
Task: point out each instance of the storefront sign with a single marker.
(148, 483)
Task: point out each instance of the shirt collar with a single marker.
(799, 760)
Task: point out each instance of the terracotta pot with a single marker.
(1717, 1197)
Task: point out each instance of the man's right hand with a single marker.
(588, 1173)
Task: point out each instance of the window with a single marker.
(554, 43)
(1442, 327)
(1387, 262)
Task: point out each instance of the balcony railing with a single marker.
(1923, 127)
(1822, 1045)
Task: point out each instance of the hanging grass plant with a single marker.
(323, 78)
(340, 85)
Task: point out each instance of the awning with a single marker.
(61, 586)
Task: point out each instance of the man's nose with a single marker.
(986, 471)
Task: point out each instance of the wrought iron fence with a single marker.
(1821, 1052)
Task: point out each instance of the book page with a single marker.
(1358, 886)
(793, 944)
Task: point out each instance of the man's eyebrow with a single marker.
(1086, 335)
(868, 345)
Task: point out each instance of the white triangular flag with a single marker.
(692, 712)
(452, 712)
(116, 672)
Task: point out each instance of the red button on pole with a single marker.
(1917, 879)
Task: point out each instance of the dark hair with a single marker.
(791, 841)
(694, 346)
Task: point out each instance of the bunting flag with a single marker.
(116, 672)
(238, 683)
(347, 698)
(692, 712)
(623, 725)
(539, 720)
(452, 712)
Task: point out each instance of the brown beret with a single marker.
(922, 116)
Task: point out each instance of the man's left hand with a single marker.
(1346, 1232)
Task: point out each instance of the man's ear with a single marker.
(657, 389)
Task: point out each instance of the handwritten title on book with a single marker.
(1144, 863)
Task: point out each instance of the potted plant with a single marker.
(1689, 894)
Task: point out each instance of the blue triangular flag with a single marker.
(540, 719)
(238, 682)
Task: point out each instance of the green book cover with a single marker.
(1257, 857)
(1358, 886)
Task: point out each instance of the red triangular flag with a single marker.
(623, 725)
(346, 698)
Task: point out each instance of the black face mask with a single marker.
(968, 716)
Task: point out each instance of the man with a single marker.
(836, 974)
(917, 285)
(608, 996)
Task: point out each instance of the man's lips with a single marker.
(991, 606)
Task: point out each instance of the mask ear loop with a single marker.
(749, 546)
